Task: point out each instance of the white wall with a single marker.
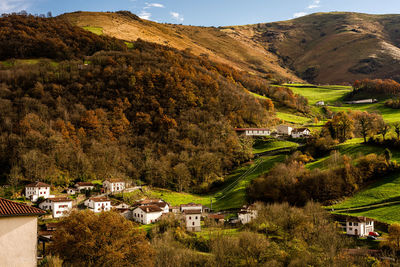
(35, 192)
(18, 239)
(193, 221)
(145, 218)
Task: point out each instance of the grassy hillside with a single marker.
(333, 47)
(206, 41)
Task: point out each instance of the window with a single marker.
(196, 217)
(350, 224)
(193, 223)
(190, 217)
(355, 224)
(350, 229)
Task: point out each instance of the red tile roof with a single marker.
(191, 205)
(10, 208)
(251, 129)
(192, 211)
(150, 208)
(59, 199)
(38, 184)
(99, 199)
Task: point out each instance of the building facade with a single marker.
(301, 133)
(192, 220)
(98, 204)
(253, 131)
(147, 214)
(359, 226)
(284, 129)
(113, 186)
(18, 234)
(35, 190)
(191, 206)
(82, 186)
(59, 206)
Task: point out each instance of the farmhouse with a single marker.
(218, 218)
(114, 185)
(253, 131)
(284, 129)
(18, 233)
(58, 205)
(246, 214)
(35, 190)
(193, 220)
(301, 132)
(147, 214)
(98, 204)
(363, 101)
(155, 202)
(71, 191)
(83, 186)
(320, 103)
(191, 206)
(359, 226)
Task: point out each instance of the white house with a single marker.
(247, 214)
(359, 226)
(284, 129)
(18, 233)
(58, 205)
(253, 131)
(82, 186)
(147, 214)
(192, 220)
(320, 103)
(301, 132)
(156, 202)
(71, 191)
(191, 206)
(363, 101)
(35, 190)
(98, 204)
(113, 186)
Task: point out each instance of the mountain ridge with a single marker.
(334, 47)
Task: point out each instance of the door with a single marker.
(356, 232)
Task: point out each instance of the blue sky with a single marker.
(206, 12)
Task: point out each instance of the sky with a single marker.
(206, 12)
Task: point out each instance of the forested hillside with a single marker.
(152, 113)
(32, 37)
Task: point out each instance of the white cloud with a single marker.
(7, 6)
(299, 14)
(144, 15)
(177, 16)
(314, 4)
(154, 5)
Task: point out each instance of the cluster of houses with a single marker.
(281, 130)
(59, 206)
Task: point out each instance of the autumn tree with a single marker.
(382, 127)
(394, 236)
(341, 126)
(365, 124)
(397, 129)
(106, 239)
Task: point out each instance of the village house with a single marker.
(217, 218)
(59, 206)
(192, 220)
(147, 214)
(98, 204)
(123, 209)
(174, 209)
(247, 214)
(253, 131)
(113, 186)
(320, 103)
(157, 202)
(191, 206)
(18, 233)
(35, 190)
(84, 186)
(301, 132)
(359, 226)
(284, 129)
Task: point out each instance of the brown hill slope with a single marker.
(208, 41)
(332, 47)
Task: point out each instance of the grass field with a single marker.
(327, 93)
(291, 118)
(271, 144)
(95, 30)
